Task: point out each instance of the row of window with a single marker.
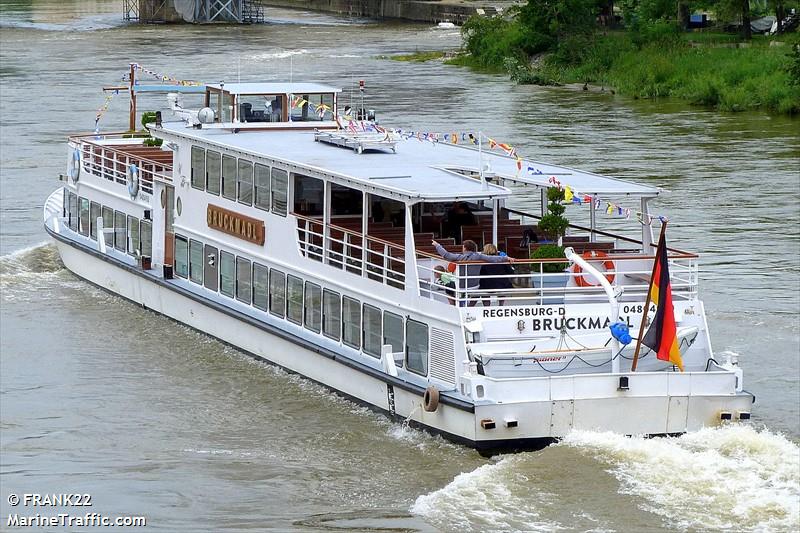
(318, 309)
(240, 180)
(129, 235)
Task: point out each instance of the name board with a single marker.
(232, 223)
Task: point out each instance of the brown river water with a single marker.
(153, 419)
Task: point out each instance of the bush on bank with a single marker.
(557, 41)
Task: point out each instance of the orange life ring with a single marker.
(593, 255)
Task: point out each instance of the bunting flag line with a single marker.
(103, 108)
(162, 77)
(662, 337)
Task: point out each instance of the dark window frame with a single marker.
(289, 317)
(223, 255)
(248, 299)
(198, 174)
(364, 342)
(337, 334)
(427, 348)
(260, 268)
(357, 303)
(192, 244)
(176, 270)
(307, 322)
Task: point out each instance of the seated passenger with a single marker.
(444, 279)
(469, 274)
(494, 283)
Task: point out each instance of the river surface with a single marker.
(99, 396)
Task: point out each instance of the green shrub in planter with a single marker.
(550, 251)
(553, 224)
(147, 118)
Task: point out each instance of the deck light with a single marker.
(744, 415)
(623, 383)
(511, 423)
(725, 415)
(487, 423)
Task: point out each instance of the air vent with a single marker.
(443, 358)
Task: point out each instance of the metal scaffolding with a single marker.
(194, 11)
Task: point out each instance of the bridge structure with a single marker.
(194, 11)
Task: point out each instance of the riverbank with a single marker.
(455, 11)
(711, 70)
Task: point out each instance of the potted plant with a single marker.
(554, 225)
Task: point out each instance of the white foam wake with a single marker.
(731, 479)
(493, 497)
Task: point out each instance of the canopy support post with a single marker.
(593, 220)
(495, 209)
(647, 228)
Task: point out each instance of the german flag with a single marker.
(662, 337)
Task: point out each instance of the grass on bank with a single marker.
(417, 57)
(709, 69)
(725, 78)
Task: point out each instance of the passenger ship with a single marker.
(264, 221)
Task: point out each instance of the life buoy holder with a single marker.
(133, 180)
(430, 400)
(594, 255)
(74, 165)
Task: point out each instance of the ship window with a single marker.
(108, 225)
(213, 167)
(331, 314)
(245, 182)
(133, 235)
(393, 334)
(196, 261)
(277, 292)
(120, 231)
(312, 314)
(227, 274)
(73, 211)
(261, 108)
(95, 211)
(260, 286)
(312, 108)
(294, 299)
(211, 268)
(229, 177)
(280, 182)
(262, 187)
(243, 281)
(181, 256)
(146, 237)
(417, 347)
(372, 330)
(351, 317)
(84, 213)
(198, 167)
(309, 195)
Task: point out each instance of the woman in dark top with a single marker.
(495, 269)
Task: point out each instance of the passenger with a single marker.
(493, 283)
(445, 279)
(469, 274)
(458, 215)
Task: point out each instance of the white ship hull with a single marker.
(544, 409)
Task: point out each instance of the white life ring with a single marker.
(133, 180)
(74, 165)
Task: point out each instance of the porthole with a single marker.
(179, 206)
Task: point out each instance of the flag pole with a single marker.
(647, 301)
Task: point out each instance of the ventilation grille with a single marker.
(443, 359)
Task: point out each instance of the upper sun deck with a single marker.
(419, 170)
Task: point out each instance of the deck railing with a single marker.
(113, 164)
(530, 284)
(343, 248)
(384, 261)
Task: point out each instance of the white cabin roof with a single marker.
(417, 171)
(275, 88)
